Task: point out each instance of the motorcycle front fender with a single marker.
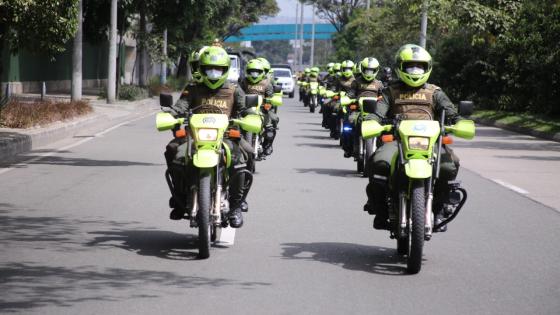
(418, 169)
(206, 158)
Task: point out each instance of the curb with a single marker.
(17, 141)
(522, 130)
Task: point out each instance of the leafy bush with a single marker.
(132, 92)
(173, 84)
(18, 114)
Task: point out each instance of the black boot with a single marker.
(235, 218)
(177, 214)
(236, 199)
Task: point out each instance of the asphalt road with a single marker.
(85, 230)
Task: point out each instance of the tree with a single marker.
(195, 24)
(338, 12)
(40, 26)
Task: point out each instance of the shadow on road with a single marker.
(498, 139)
(329, 171)
(325, 137)
(162, 244)
(67, 161)
(26, 286)
(308, 123)
(379, 260)
(319, 145)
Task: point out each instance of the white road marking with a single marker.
(227, 237)
(75, 144)
(511, 187)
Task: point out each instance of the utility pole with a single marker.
(111, 79)
(163, 74)
(302, 41)
(312, 36)
(368, 2)
(295, 60)
(76, 94)
(424, 24)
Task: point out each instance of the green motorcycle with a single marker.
(313, 96)
(364, 148)
(267, 130)
(210, 157)
(414, 172)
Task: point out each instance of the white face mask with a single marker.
(254, 74)
(368, 72)
(214, 74)
(414, 70)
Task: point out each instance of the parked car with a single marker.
(284, 79)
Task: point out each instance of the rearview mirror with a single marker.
(465, 108)
(368, 104)
(165, 100)
(252, 100)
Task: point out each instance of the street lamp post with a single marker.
(112, 73)
(424, 24)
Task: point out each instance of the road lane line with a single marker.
(75, 144)
(511, 187)
(227, 237)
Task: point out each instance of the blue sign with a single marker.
(265, 32)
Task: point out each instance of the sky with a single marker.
(287, 14)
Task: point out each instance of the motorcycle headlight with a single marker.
(207, 134)
(418, 143)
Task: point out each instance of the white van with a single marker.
(284, 78)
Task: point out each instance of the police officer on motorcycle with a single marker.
(255, 82)
(212, 92)
(412, 96)
(365, 85)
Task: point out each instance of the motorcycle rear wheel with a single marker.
(203, 215)
(416, 234)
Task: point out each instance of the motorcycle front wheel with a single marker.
(416, 232)
(203, 215)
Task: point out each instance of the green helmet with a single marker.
(194, 62)
(369, 68)
(214, 66)
(254, 71)
(307, 71)
(337, 66)
(413, 65)
(315, 69)
(347, 68)
(266, 64)
(330, 68)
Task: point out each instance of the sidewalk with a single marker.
(17, 141)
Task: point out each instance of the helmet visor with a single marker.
(255, 73)
(414, 68)
(369, 72)
(214, 73)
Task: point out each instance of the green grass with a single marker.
(535, 122)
